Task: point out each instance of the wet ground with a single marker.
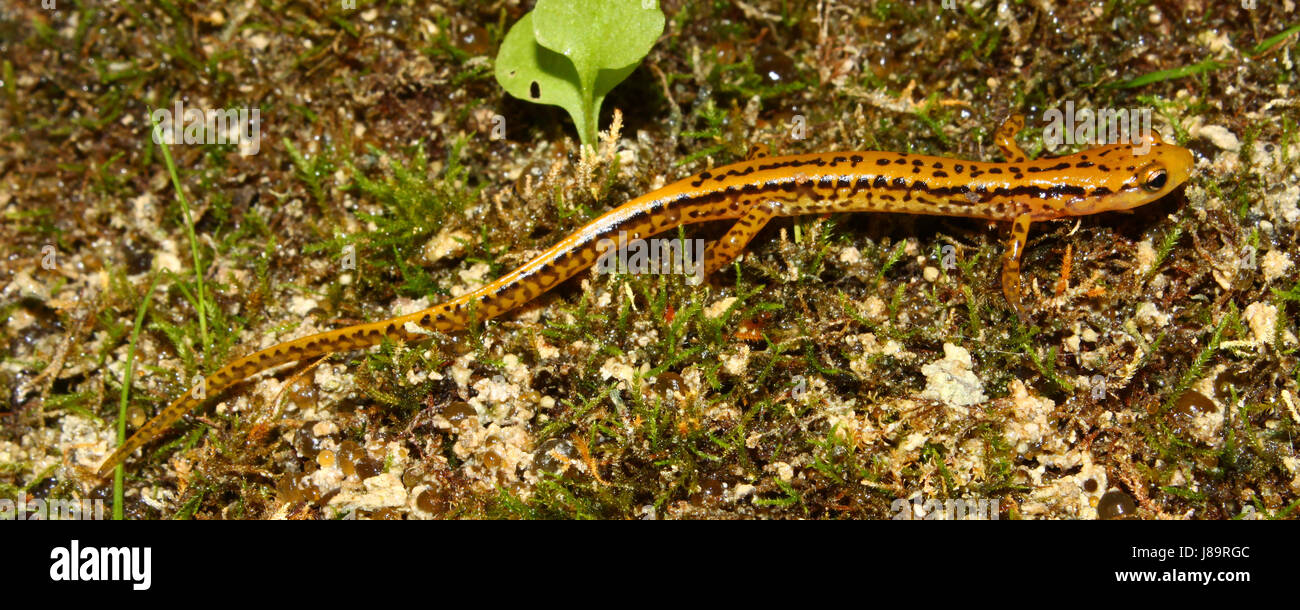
(852, 366)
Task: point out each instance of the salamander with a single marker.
(1019, 190)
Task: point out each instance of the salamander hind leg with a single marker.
(1005, 138)
(1011, 264)
(738, 236)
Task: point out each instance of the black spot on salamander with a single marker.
(392, 328)
(1105, 152)
(995, 170)
(918, 162)
(900, 160)
(888, 197)
(1083, 164)
(900, 182)
(826, 182)
(916, 170)
(937, 165)
(882, 161)
(838, 160)
(1100, 191)
(907, 196)
(1129, 168)
(1103, 168)
(750, 188)
(534, 90)
(855, 160)
(881, 182)
(789, 186)
(845, 182)
(958, 168)
(940, 174)
(975, 173)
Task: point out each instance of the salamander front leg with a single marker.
(1011, 264)
(1005, 138)
(738, 236)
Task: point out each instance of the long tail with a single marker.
(547, 270)
(444, 317)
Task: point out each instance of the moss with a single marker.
(397, 110)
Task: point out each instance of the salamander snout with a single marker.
(1169, 167)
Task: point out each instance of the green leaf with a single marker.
(596, 34)
(532, 72)
(571, 53)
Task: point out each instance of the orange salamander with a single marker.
(1019, 191)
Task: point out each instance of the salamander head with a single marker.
(1125, 176)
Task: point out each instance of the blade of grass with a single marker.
(119, 473)
(1274, 40)
(1208, 65)
(189, 228)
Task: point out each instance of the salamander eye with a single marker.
(1155, 180)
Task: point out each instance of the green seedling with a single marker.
(570, 53)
